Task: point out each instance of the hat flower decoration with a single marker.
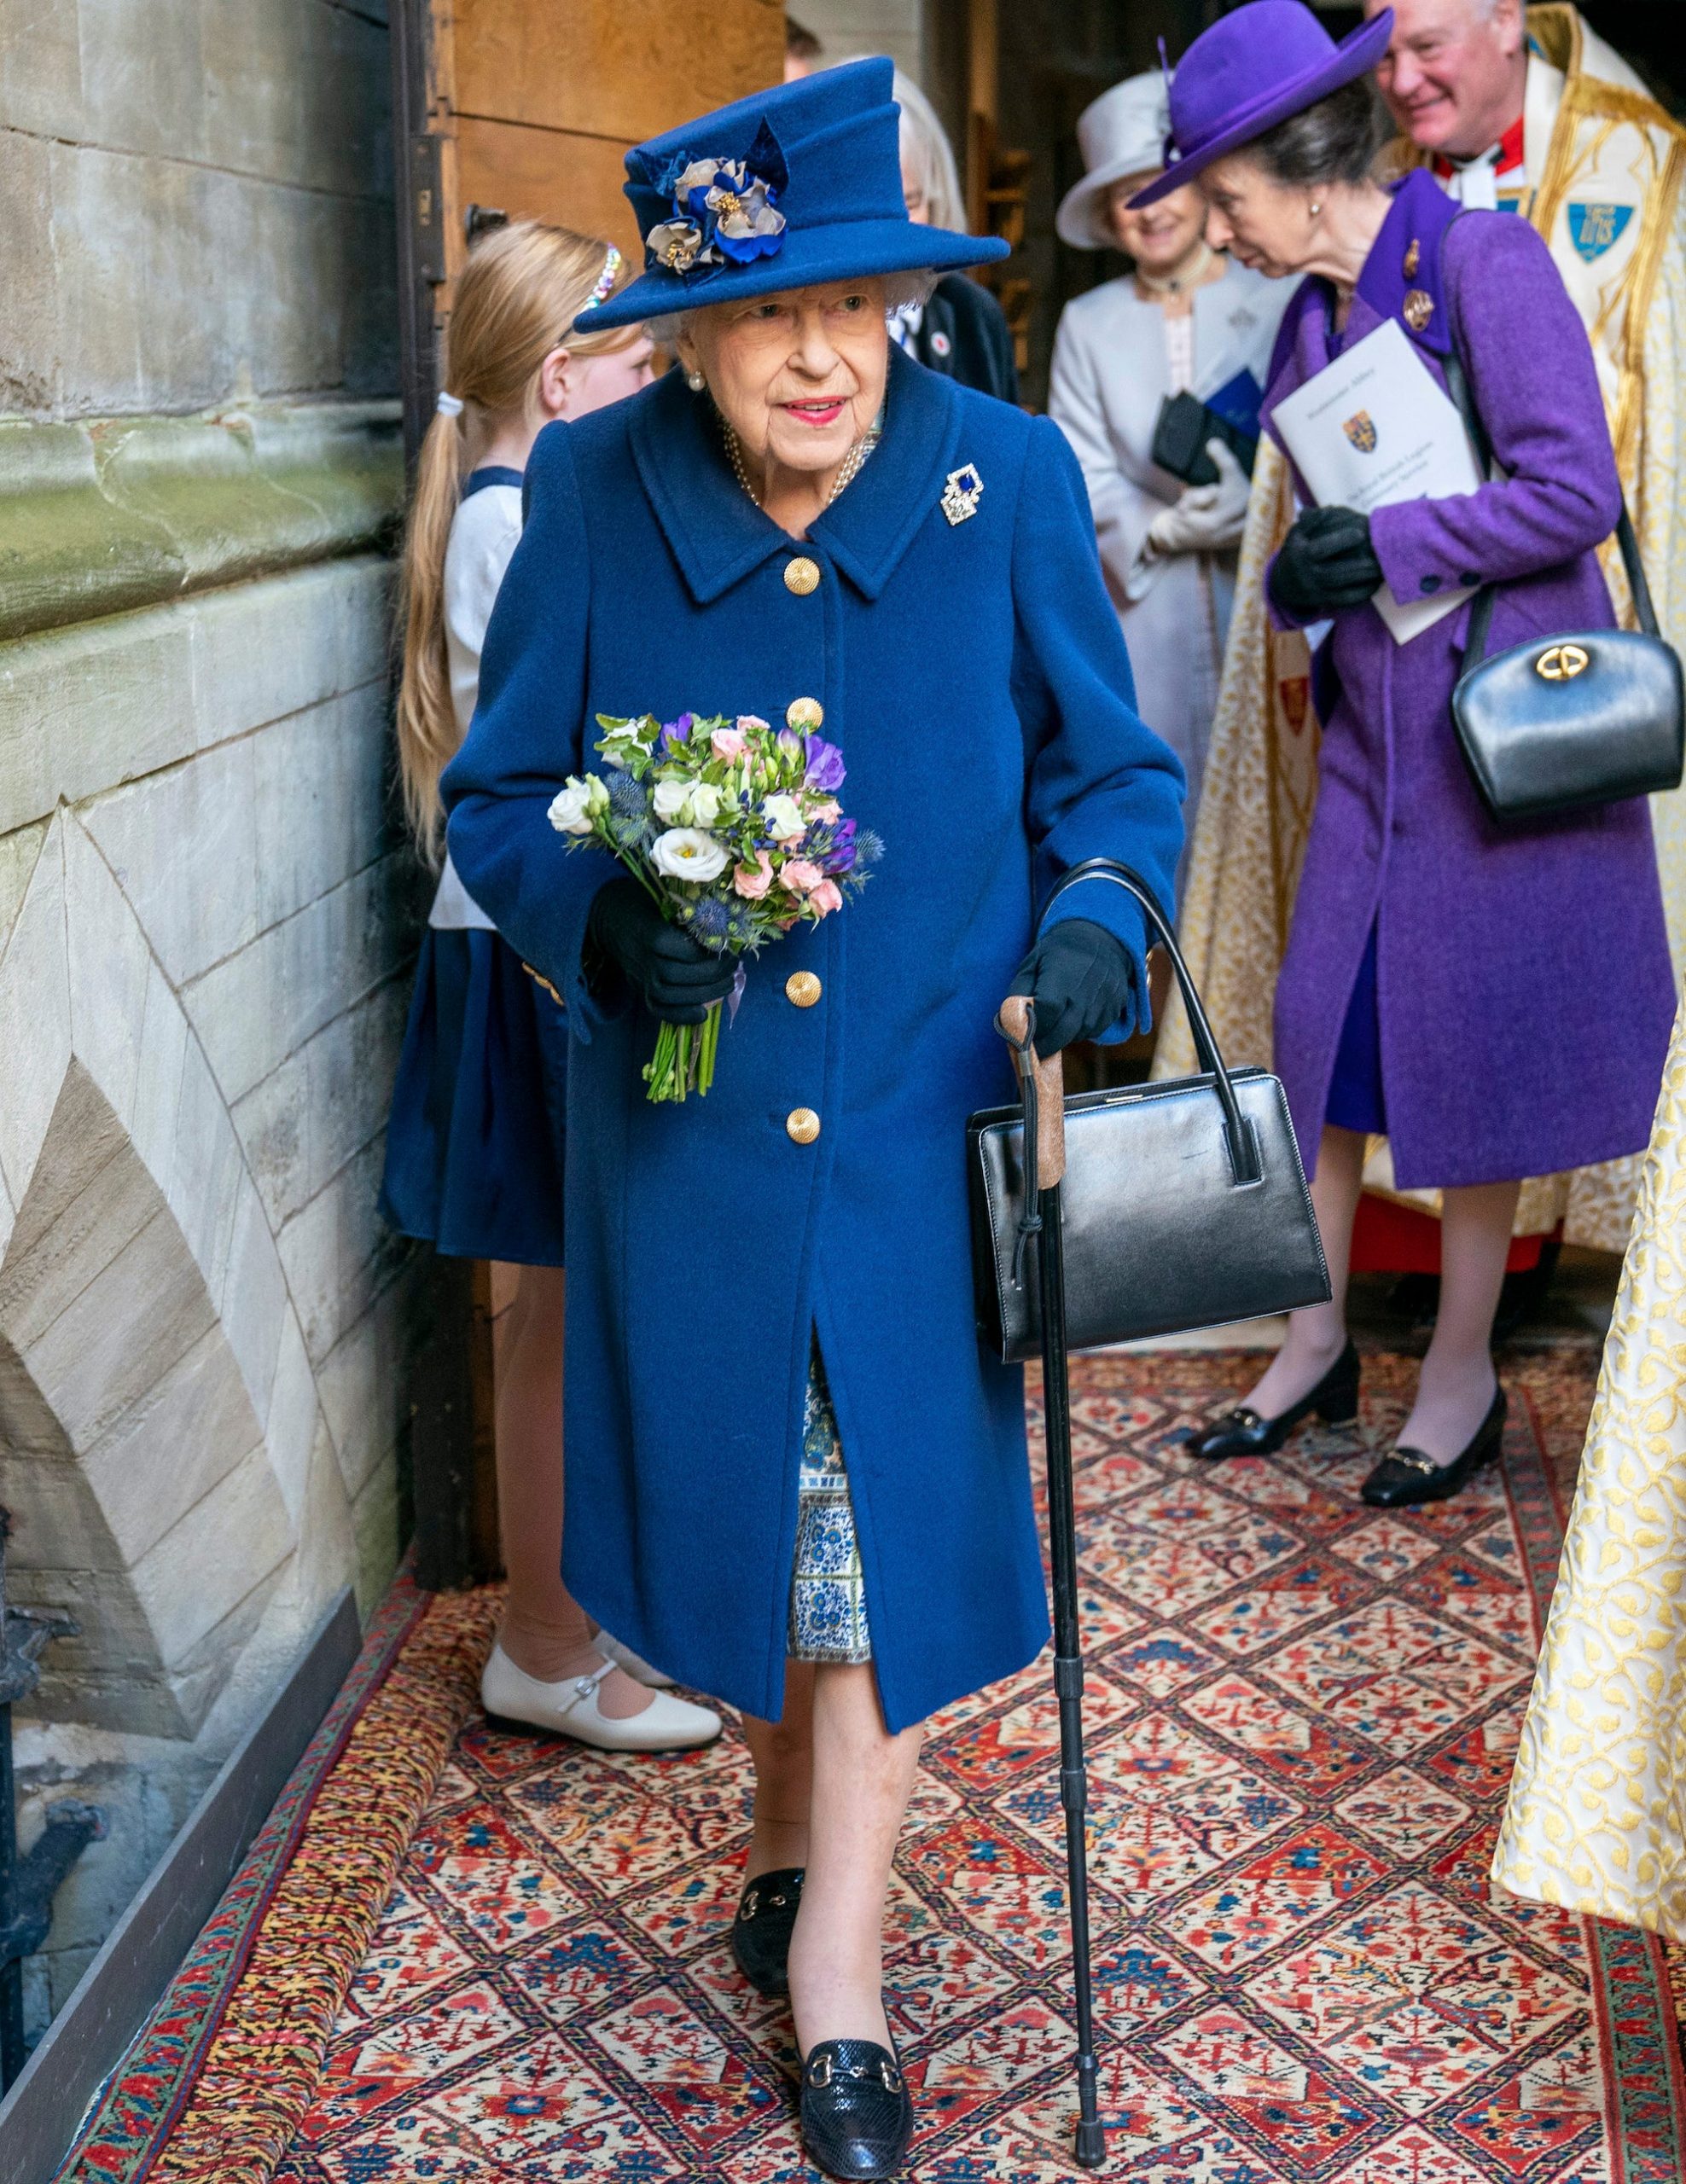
(724, 209)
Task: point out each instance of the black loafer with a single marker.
(1407, 1476)
(856, 2112)
(761, 1931)
(1243, 1433)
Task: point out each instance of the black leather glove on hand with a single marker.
(1080, 978)
(674, 976)
(1326, 563)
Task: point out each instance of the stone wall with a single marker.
(206, 912)
(846, 28)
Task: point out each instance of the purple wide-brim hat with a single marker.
(1254, 68)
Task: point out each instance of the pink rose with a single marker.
(801, 877)
(828, 811)
(728, 742)
(753, 880)
(826, 897)
(749, 724)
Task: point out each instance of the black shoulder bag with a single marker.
(1182, 1205)
(1590, 718)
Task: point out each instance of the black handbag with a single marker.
(1576, 721)
(1184, 425)
(1182, 1205)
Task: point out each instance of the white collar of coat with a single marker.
(719, 535)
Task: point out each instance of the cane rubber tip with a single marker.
(1091, 2146)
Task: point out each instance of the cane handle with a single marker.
(1050, 1088)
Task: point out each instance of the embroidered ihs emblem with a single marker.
(962, 493)
(1360, 429)
(1595, 229)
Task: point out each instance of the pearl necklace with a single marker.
(1156, 285)
(848, 470)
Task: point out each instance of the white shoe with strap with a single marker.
(639, 1670)
(573, 1708)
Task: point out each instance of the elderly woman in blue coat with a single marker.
(803, 1485)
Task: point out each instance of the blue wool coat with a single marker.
(974, 677)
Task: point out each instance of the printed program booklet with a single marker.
(1372, 429)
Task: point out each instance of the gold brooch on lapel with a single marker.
(1413, 258)
(1419, 309)
(962, 493)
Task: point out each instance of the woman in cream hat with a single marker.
(1185, 318)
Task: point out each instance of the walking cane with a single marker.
(1042, 1084)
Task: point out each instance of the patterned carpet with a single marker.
(1302, 1717)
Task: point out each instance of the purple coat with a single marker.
(1525, 990)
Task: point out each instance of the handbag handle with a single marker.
(1481, 614)
(1246, 1165)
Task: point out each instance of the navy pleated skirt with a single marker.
(475, 1148)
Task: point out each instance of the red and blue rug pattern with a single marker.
(1302, 1717)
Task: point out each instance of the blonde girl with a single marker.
(474, 1146)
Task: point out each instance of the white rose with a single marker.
(669, 799)
(686, 853)
(571, 807)
(783, 815)
(704, 804)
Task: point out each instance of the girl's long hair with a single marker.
(515, 302)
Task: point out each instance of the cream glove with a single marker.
(1206, 519)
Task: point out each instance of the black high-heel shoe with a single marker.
(1243, 1433)
(761, 1931)
(856, 2112)
(1406, 1477)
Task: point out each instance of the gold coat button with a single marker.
(802, 989)
(803, 1125)
(801, 575)
(804, 712)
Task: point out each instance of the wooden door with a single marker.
(527, 107)
(523, 107)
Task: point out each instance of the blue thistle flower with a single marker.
(629, 798)
(707, 920)
(868, 846)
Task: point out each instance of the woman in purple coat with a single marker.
(1498, 1002)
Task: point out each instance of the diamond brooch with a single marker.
(962, 493)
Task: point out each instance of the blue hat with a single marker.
(1254, 68)
(797, 185)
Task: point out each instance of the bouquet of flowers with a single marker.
(734, 828)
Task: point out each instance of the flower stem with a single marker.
(711, 1046)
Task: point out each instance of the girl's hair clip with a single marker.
(449, 405)
(606, 281)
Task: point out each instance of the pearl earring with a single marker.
(695, 381)
(1317, 209)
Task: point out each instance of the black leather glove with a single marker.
(1080, 977)
(1326, 563)
(674, 976)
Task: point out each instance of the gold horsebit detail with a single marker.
(1562, 663)
(751, 1901)
(886, 2073)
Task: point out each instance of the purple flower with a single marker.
(825, 766)
(674, 731)
(790, 743)
(840, 856)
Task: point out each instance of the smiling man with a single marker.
(1537, 116)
